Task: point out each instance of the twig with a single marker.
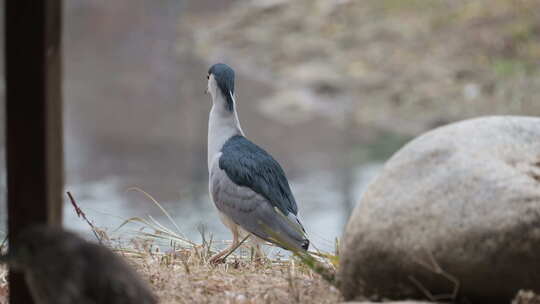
(159, 206)
(186, 266)
(209, 247)
(434, 267)
(292, 286)
(236, 247)
(422, 288)
(80, 213)
(4, 242)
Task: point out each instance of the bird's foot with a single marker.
(217, 259)
(257, 254)
(259, 261)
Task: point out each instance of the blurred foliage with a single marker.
(510, 67)
(406, 65)
(386, 144)
(380, 148)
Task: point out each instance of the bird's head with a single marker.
(221, 85)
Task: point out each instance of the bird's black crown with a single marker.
(224, 76)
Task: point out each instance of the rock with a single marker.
(464, 197)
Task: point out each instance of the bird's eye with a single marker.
(207, 76)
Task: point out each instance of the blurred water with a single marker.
(108, 205)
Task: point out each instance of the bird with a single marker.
(247, 185)
(62, 268)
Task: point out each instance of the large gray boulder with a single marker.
(459, 204)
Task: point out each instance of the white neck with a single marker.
(222, 125)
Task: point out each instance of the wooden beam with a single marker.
(33, 120)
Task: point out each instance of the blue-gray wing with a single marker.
(247, 165)
(254, 213)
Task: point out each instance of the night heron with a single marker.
(62, 268)
(247, 185)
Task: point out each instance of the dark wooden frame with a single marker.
(33, 120)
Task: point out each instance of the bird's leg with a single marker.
(259, 254)
(216, 259)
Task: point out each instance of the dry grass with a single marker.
(3, 273)
(185, 276)
(3, 284)
(526, 297)
(180, 272)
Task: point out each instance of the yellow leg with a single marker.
(216, 259)
(258, 253)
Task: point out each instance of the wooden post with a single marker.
(33, 120)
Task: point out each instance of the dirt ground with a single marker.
(188, 279)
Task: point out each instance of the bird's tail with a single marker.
(288, 232)
(305, 244)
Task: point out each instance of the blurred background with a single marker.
(330, 88)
